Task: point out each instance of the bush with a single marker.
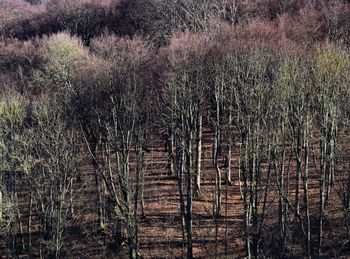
(15, 54)
(22, 20)
(18, 62)
(125, 54)
(61, 55)
(331, 68)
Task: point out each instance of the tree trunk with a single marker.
(245, 199)
(306, 190)
(179, 169)
(139, 165)
(71, 198)
(189, 195)
(229, 151)
(1, 206)
(99, 191)
(218, 173)
(331, 163)
(29, 227)
(20, 224)
(286, 209)
(199, 156)
(170, 149)
(218, 97)
(323, 168)
(254, 191)
(298, 178)
(142, 195)
(229, 164)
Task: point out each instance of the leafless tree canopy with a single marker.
(174, 129)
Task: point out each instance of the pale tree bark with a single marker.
(1, 206)
(199, 155)
(216, 146)
(180, 176)
(298, 148)
(229, 151)
(189, 195)
(245, 192)
(306, 189)
(323, 169)
(170, 150)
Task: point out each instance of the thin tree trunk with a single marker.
(170, 149)
(189, 195)
(71, 197)
(179, 169)
(1, 205)
(199, 156)
(142, 195)
(245, 200)
(229, 164)
(286, 209)
(216, 151)
(280, 199)
(331, 163)
(298, 180)
(218, 173)
(229, 151)
(226, 216)
(29, 227)
(240, 169)
(272, 168)
(20, 224)
(254, 194)
(100, 202)
(137, 190)
(323, 169)
(99, 191)
(306, 190)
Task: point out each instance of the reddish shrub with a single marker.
(20, 19)
(122, 51)
(18, 62)
(14, 53)
(256, 33)
(187, 49)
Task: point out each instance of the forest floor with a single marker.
(160, 233)
(160, 230)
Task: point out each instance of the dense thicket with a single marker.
(97, 81)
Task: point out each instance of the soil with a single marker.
(160, 230)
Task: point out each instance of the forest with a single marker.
(174, 129)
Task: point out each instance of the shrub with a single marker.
(18, 61)
(331, 68)
(15, 54)
(124, 54)
(61, 54)
(22, 20)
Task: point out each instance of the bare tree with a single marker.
(183, 97)
(330, 66)
(121, 122)
(50, 161)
